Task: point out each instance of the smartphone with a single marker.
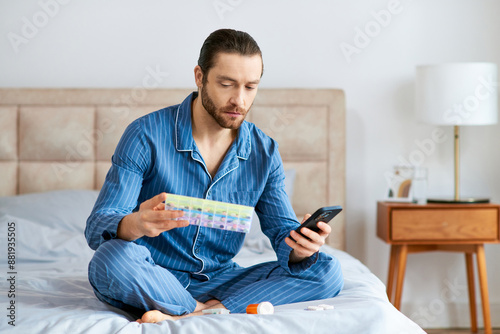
(324, 214)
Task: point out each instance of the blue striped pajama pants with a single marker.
(124, 275)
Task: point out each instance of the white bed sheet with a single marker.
(52, 293)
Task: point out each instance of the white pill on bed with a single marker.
(314, 308)
(326, 306)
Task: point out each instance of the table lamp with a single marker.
(457, 94)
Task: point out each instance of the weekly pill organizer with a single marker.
(213, 214)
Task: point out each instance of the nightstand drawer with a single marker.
(444, 224)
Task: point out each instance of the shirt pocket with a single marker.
(248, 198)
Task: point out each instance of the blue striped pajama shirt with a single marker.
(157, 153)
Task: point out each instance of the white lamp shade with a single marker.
(457, 93)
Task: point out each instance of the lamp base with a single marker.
(466, 200)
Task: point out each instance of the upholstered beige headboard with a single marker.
(64, 138)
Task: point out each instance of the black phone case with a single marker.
(324, 214)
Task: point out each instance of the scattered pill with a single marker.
(326, 306)
(314, 308)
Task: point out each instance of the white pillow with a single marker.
(66, 209)
(49, 226)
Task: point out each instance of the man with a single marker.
(147, 261)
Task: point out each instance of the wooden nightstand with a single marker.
(412, 228)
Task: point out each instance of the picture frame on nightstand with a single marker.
(399, 184)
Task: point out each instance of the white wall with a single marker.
(113, 44)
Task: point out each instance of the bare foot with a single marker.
(155, 316)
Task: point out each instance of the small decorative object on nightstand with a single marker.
(412, 228)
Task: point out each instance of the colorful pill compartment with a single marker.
(213, 214)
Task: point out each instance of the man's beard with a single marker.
(219, 114)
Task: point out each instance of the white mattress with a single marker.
(53, 295)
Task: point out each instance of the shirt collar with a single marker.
(184, 140)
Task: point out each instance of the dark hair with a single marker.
(228, 41)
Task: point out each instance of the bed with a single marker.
(55, 149)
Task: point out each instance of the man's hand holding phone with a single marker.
(311, 234)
